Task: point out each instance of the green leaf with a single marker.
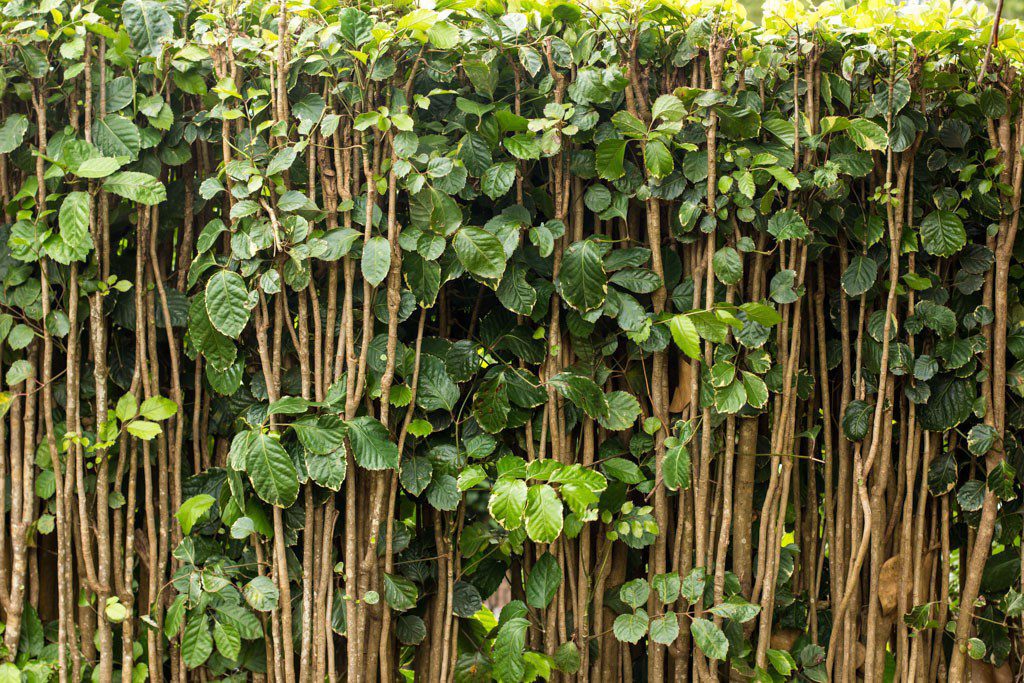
(515, 293)
(143, 429)
(416, 475)
(490, 404)
(137, 187)
(371, 444)
(320, 434)
(19, 371)
(859, 276)
(583, 392)
(737, 609)
(523, 146)
(782, 661)
(755, 389)
(543, 514)
(630, 627)
(727, 265)
(355, 26)
(942, 233)
(658, 159)
(597, 198)
(543, 582)
(480, 252)
(668, 108)
(400, 592)
(218, 349)
(227, 301)
(971, 495)
(582, 281)
(623, 410)
(376, 260)
(196, 642)
(271, 471)
(1001, 480)
(867, 135)
(116, 136)
(466, 600)
(857, 419)
(507, 654)
(624, 470)
(567, 656)
(788, 225)
(635, 593)
(327, 470)
(9, 673)
(410, 629)
(709, 638)
(763, 314)
(949, 404)
(507, 503)
(498, 179)
(192, 511)
(12, 132)
(73, 242)
(609, 158)
(666, 586)
(261, 594)
(684, 333)
(175, 616)
(942, 474)
(981, 439)
(228, 640)
(665, 629)
(158, 408)
(443, 493)
(148, 25)
(637, 280)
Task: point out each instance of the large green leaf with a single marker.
(509, 646)
(867, 134)
(480, 252)
(860, 275)
(218, 350)
(116, 136)
(582, 280)
(610, 155)
(543, 582)
(197, 641)
(583, 392)
(148, 25)
(227, 303)
(498, 179)
(138, 187)
(270, 470)
(949, 405)
(73, 242)
(371, 445)
(942, 233)
(543, 514)
(12, 132)
(507, 503)
(376, 260)
(709, 638)
(631, 627)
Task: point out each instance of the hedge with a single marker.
(462, 341)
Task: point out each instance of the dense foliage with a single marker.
(323, 326)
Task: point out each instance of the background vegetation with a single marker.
(325, 326)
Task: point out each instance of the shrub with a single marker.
(323, 325)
